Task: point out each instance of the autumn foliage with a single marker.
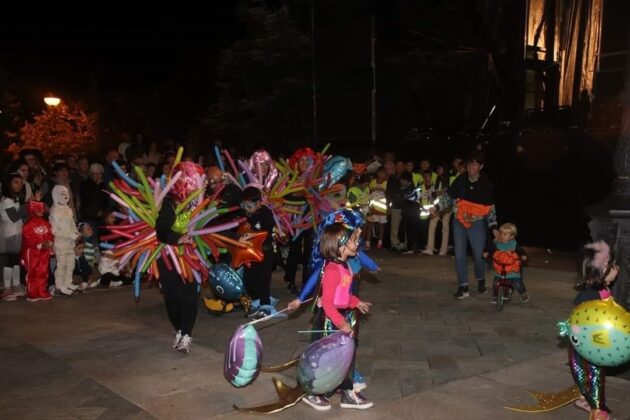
(61, 130)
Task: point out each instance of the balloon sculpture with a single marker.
(325, 363)
(227, 285)
(322, 368)
(243, 356)
(137, 242)
(599, 331)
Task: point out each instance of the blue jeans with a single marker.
(476, 235)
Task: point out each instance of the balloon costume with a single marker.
(324, 364)
(191, 214)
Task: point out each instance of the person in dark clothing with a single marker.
(180, 296)
(395, 200)
(257, 277)
(411, 212)
(472, 199)
(230, 195)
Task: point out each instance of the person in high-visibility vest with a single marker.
(425, 165)
(377, 213)
(427, 196)
(358, 199)
(441, 184)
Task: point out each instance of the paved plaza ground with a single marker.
(425, 355)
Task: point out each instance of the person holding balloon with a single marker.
(339, 242)
(597, 271)
(180, 296)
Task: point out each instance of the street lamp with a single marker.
(51, 100)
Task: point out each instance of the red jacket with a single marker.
(34, 233)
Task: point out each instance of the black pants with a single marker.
(257, 278)
(299, 253)
(180, 298)
(411, 220)
(82, 268)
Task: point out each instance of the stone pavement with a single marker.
(424, 354)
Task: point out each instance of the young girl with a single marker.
(597, 271)
(338, 243)
(378, 207)
(12, 215)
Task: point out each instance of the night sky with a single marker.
(107, 53)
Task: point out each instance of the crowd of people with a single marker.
(56, 215)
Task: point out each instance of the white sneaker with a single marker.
(427, 252)
(184, 344)
(115, 284)
(94, 284)
(9, 296)
(178, 338)
(73, 287)
(51, 290)
(66, 291)
(83, 286)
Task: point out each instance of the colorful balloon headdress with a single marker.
(192, 178)
(348, 217)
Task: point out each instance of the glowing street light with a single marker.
(52, 100)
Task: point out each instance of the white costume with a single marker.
(10, 241)
(66, 233)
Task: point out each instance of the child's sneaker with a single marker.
(19, 290)
(8, 295)
(178, 338)
(184, 344)
(481, 287)
(462, 292)
(358, 383)
(524, 298)
(352, 399)
(318, 402)
(83, 286)
(115, 284)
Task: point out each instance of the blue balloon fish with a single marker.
(335, 168)
(226, 284)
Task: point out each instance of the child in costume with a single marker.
(12, 214)
(598, 271)
(82, 267)
(257, 277)
(37, 243)
(336, 303)
(65, 233)
(507, 258)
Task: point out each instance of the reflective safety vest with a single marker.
(378, 203)
(358, 198)
(426, 202)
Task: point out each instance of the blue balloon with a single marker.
(225, 282)
(335, 168)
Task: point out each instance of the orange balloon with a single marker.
(251, 254)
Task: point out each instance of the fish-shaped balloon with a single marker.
(243, 356)
(225, 282)
(599, 331)
(325, 363)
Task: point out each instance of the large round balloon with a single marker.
(243, 356)
(225, 282)
(325, 363)
(599, 331)
(335, 168)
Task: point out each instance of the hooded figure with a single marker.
(37, 242)
(65, 233)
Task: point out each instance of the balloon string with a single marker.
(272, 315)
(314, 331)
